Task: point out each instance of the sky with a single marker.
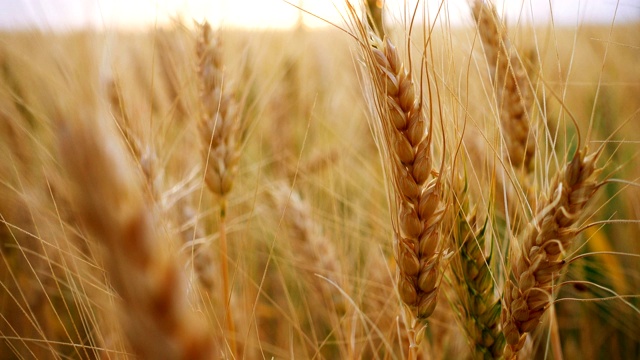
(111, 14)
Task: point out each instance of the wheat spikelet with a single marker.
(220, 125)
(219, 130)
(420, 207)
(310, 242)
(157, 318)
(510, 84)
(314, 258)
(537, 263)
(142, 153)
(400, 125)
(169, 47)
(478, 307)
(313, 250)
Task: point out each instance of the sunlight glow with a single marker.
(57, 14)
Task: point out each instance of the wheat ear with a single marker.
(313, 249)
(157, 318)
(400, 126)
(537, 262)
(219, 129)
(143, 154)
(220, 125)
(418, 195)
(478, 308)
(510, 84)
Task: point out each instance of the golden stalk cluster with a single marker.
(104, 253)
(405, 139)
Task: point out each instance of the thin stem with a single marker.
(224, 269)
(412, 355)
(556, 345)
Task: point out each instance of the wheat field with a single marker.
(412, 190)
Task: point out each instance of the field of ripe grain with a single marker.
(200, 193)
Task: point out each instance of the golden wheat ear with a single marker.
(220, 137)
(402, 132)
(220, 123)
(537, 261)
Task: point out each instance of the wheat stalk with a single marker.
(219, 130)
(419, 201)
(311, 246)
(400, 125)
(144, 155)
(220, 125)
(478, 307)
(537, 262)
(314, 255)
(157, 318)
(510, 84)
